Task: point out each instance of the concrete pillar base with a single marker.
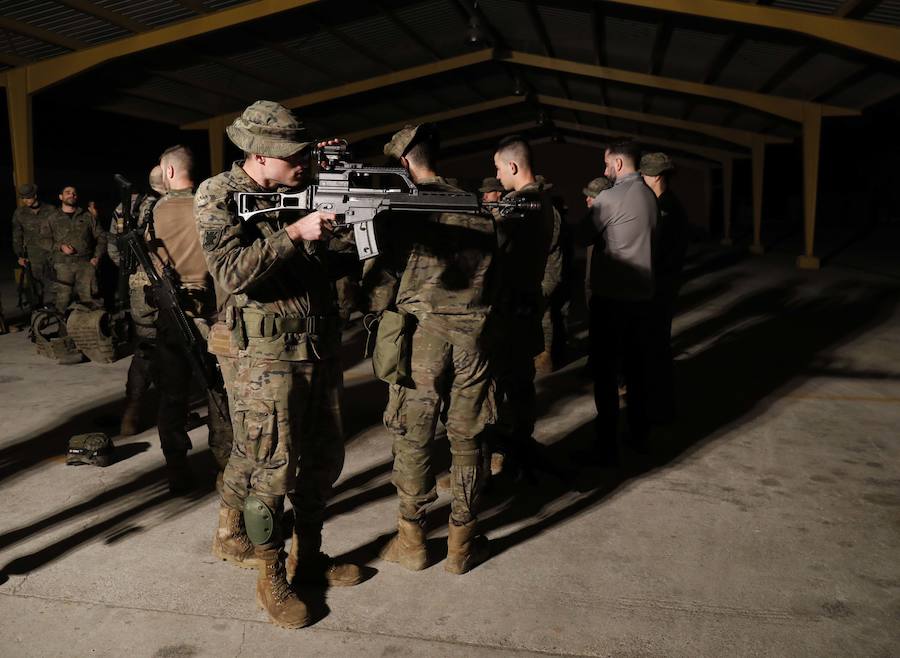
(808, 262)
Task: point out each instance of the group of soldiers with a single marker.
(459, 301)
(57, 248)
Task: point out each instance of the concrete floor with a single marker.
(768, 522)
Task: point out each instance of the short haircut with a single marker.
(424, 153)
(65, 187)
(515, 148)
(626, 149)
(178, 156)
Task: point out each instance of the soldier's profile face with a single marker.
(490, 197)
(610, 162)
(504, 175)
(589, 200)
(287, 171)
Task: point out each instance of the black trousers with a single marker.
(662, 381)
(622, 340)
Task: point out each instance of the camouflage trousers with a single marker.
(442, 373)
(288, 434)
(143, 318)
(172, 372)
(75, 278)
(41, 273)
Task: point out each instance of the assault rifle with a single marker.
(166, 294)
(127, 262)
(345, 189)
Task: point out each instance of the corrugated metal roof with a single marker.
(511, 19)
(152, 13)
(437, 23)
(813, 6)
(569, 32)
(754, 63)
(816, 76)
(27, 47)
(62, 20)
(887, 11)
(690, 53)
(629, 44)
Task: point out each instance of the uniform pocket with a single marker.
(256, 423)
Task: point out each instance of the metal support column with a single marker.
(759, 163)
(19, 104)
(812, 136)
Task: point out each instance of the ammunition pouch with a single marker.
(49, 334)
(392, 357)
(102, 337)
(94, 449)
(283, 338)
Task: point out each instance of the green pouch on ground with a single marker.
(392, 358)
(95, 449)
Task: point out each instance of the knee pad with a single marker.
(259, 519)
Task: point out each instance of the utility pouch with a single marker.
(392, 357)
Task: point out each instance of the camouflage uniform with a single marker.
(143, 315)
(287, 380)
(74, 273)
(553, 274)
(176, 242)
(524, 245)
(33, 239)
(437, 270)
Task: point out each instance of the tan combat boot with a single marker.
(407, 547)
(465, 549)
(274, 594)
(543, 363)
(131, 418)
(231, 542)
(309, 565)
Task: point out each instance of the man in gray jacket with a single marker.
(621, 228)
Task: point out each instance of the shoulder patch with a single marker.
(211, 238)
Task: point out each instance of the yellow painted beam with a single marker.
(216, 146)
(18, 103)
(759, 159)
(727, 187)
(436, 117)
(742, 137)
(48, 72)
(377, 82)
(787, 108)
(812, 135)
(715, 154)
(867, 37)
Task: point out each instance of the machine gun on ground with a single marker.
(345, 189)
(166, 294)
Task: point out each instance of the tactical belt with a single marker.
(268, 326)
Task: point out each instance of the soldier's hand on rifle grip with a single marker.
(311, 227)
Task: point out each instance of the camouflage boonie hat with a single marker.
(654, 164)
(407, 137)
(596, 186)
(27, 190)
(490, 185)
(269, 129)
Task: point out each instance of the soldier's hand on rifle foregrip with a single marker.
(311, 227)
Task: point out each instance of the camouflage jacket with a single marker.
(31, 229)
(525, 244)
(261, 271)
(143, 213)
(81, 231)
(437, 268)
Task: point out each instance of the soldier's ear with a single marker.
(513, 168)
